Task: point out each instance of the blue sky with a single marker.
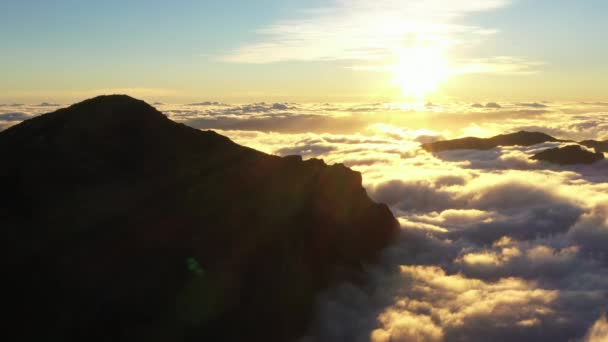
(211, 49)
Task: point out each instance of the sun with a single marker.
(420, 71)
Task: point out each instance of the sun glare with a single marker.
(420, 71)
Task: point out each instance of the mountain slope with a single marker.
(120, 224)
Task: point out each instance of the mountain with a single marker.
(521, 138)
(571, 154)
(599, 146)
(122, 225)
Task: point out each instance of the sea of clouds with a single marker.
(494, 246)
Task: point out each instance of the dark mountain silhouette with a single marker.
(122, 225)
(599, 146)
(493, 105)
(571, 154)
(521, 138)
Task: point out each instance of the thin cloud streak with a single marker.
(499, 65)
(363, 30)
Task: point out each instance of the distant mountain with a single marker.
(121, 225)
(521, 138)
(208, 103)
(572, 154)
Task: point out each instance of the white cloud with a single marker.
(364, 30)
(503, 65)
(493, 246)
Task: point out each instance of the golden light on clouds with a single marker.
(400, 46)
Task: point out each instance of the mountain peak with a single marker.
(113, 100)
(99, 114)
(118, 108)
(531, 134)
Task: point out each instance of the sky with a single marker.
(307, 51)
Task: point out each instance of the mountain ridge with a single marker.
(521, 138)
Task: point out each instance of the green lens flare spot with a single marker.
(195, 267)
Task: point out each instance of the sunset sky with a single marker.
(306, 51)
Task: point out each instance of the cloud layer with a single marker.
(493, 246)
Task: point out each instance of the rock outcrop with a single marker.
(122, 225)
(598, 146)
(568, 155)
